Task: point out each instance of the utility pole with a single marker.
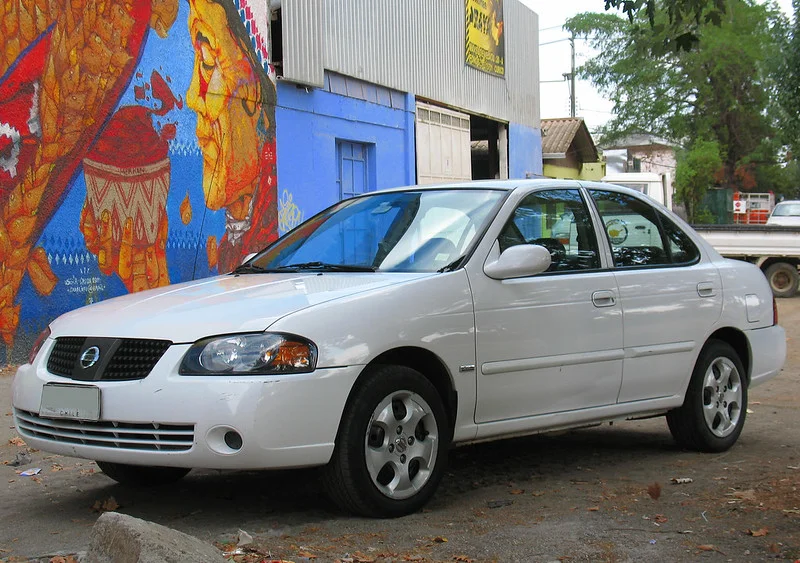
(571, 76)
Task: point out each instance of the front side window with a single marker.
(639, 235)
(410, 231)
(558, 220)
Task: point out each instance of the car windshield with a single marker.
(786, 210)
(409, 231)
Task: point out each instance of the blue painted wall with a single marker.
(309, 123)
(524, 151)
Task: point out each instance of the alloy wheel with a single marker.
(401, 444)
(722, 397)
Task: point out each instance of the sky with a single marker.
(554, 61)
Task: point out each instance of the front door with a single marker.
(551, 342)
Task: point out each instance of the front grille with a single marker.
(120, 358)
(135, 358)
(105, 434)
(65, 353)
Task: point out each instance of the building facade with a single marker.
(641, 152)
(149, 142)
(568, 150)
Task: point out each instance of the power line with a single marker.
(555, 41)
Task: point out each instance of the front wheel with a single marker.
(392, 445)
(783, 279)
(141, 475)
(713, 412)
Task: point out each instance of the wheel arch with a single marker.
(737, 340)
(425, 362)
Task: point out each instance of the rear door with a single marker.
(670, 295)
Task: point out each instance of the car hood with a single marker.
(224, 304)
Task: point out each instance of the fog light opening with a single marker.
(233, 440)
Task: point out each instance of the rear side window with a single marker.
(639, 235)
(682, 250)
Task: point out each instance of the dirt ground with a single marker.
(606, 493)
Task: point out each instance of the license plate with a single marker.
(77, 402)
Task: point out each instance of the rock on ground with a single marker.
(120, 538)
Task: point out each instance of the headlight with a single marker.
(250, 354)
(38, 344)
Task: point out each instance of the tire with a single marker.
(391, 448)
(713, 413)
(783, 279)
(140, 475)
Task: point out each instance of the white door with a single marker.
(443, 146)
(552, 342)
(670, 296)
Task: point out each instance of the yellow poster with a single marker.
(484, 47)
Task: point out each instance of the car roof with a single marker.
(509, 185)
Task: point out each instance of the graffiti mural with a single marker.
(137, 149)
(235, 104)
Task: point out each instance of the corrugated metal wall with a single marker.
(414, 46)
(304, 41)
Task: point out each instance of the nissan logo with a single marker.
(90, 357)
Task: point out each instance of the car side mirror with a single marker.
(248, 257)
(518, 261)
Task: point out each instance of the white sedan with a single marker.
(786, 214)
(393, 325)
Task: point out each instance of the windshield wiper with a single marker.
(248, 269)
(326, 266)
(451, 266)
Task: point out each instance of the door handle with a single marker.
(604, 298)
(706, 289)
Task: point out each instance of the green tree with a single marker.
(696, 172)
(788, 87)
(684, 19)
(718, 91)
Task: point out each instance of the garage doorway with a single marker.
(488, 148)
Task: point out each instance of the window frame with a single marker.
(600, 249)
(660, 218)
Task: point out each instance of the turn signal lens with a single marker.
(38, 344)
(250, 354)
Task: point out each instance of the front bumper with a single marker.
(171, 420)
(768, 350)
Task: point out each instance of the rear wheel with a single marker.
(713, 413)
(391, 449)
(783, 279)
(141, 475)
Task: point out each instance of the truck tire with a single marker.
(783, 279)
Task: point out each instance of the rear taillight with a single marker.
(38, 344)
(774, 311)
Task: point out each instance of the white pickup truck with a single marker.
(774, 249)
